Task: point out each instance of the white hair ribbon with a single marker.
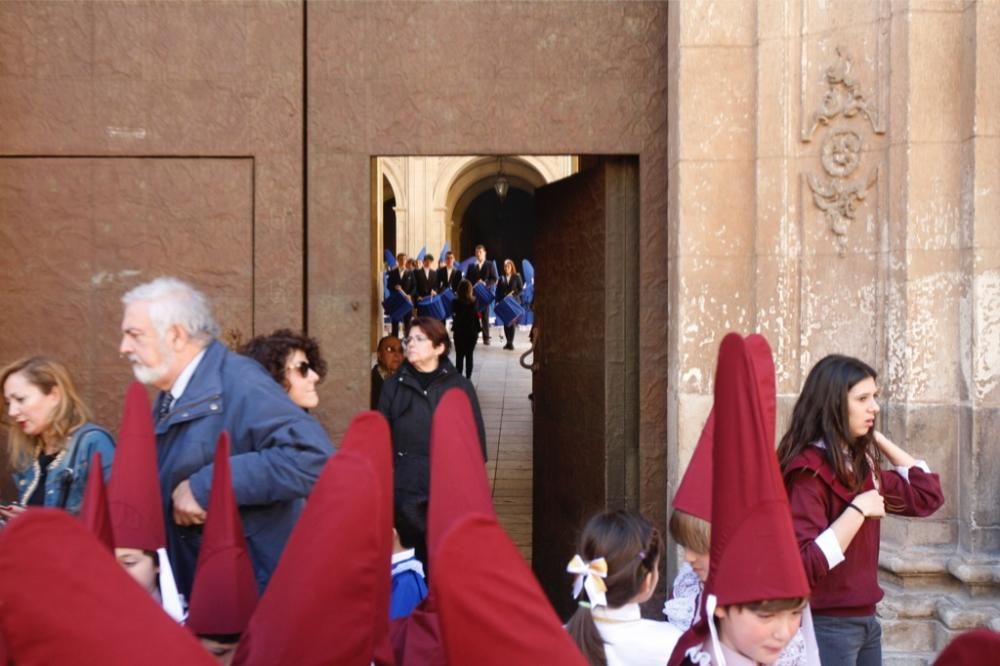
(589, 576)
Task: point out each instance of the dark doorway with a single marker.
(506, 228)
(388, 216)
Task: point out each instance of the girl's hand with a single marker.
(871, 503)
(9, 511)
(897, 456)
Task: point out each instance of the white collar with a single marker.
(403, 555)
(626, 613)
(177, 390)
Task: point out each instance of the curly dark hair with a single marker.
(272, 352)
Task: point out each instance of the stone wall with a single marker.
(832, 170)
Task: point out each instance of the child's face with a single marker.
(140, 566)
(698, 562)
(757, 635)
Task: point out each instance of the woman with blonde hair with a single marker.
(50, 439)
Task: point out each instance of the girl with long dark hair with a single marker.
(831, 459)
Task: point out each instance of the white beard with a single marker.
(151, 375)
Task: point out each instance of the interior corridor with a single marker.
(503, 387)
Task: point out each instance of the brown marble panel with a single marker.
(78, 233)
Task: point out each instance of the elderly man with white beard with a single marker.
(278, 450)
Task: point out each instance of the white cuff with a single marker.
(905, 471)
(827, 542)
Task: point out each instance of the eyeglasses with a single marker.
(415, 339)
(392, 349)
(302, 366)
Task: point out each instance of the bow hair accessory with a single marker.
(589, 576)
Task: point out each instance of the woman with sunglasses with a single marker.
(408, 401)
(293, 360)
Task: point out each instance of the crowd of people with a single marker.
(205, 509)
(466, 296)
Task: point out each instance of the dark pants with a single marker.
(848, 641)
(509, 332)
(486, 325)
(406, 322)
(463, 357)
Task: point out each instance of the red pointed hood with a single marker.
(224, 593)
(376, 447)
(320, 606)
(112, 620)
(134, 490)
(975, 647)
(754, 552)
(486, 618)
(694, 492)
(94, 511)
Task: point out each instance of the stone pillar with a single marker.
(710, 263)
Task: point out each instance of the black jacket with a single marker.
(444, 282)
(425, 284)
(487, 275)
(513, 286)
(465, 324)
(409, 410)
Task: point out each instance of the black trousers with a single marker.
(509, 332)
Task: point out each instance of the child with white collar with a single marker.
(617, 566)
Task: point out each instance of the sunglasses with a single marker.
(303, 367)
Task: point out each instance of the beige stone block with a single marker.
(276, 111)
(714, 297)
(933, 290)
(987, 54)
(985, 355)
(339, 47)
(716, 115)
(935, 44)
(837, 17)
(693, 411)
(776, 297)
(777, 204)
(933, 433)
(840, 308)
(936, 5)
(985, 183)
(934, 192)
(979, 469)
(777, 20)
(716, 208)
(726, 23)
(777, 98)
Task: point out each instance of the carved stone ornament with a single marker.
(842, 150)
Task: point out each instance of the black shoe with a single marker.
(486, 341)
(511, 347)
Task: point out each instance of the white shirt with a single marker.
(177, 390)
(630, 640)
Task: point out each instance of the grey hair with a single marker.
(173, 301)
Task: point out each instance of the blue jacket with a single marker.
(278, 451)
(66, 479)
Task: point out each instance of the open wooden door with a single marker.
(586, 385)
